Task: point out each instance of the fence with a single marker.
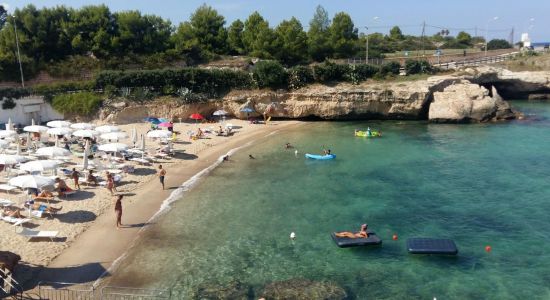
(66, 291)
(9, 286)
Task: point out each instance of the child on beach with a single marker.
(161, 173)
(75, 177)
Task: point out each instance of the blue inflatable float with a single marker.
(321, 157)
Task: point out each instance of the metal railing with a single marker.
(65, 291)
(122, 293)
(10, 286)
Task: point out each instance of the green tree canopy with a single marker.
(257, 36)
(3, 16)
(464, 38)
(396, 34)
(141, 34)
(290, 42)
(343, 35)
(318, 35)
(498, 44)
(207, 26)
(235, 37)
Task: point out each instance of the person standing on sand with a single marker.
(76, 176)
(161, 173)
(118, 211)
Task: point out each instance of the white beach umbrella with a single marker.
(114, 135)
(7, 133)
(113, 147)
(59, 131)
(18, 148)
(4, 144)
(58, 124)
(39, 165)
(143, 143)
(107, 128)
(220, 112)
(134, 136)
(86, 133)
(163, 134)
(7, 159)
(82, 126)
(35, 128)
(85, 156)
(31, 181)
(32, 122)
(9, 125)
(53, 151)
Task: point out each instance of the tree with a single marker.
(343, 35)
(235, 37)
(207, 27)
(139, 34)
(319, 47)
(464, 38)
(395, 33)
(290, 42)
(3, 16)
(257, 36)
(186, 43)
(498, 44)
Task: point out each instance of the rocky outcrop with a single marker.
(303, 289)
(465, 102)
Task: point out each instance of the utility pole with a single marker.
(18, 53)
(367, 47)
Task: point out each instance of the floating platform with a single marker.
(344, 242)
(431, 246)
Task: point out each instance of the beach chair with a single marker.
(31, 234)
(14, 221)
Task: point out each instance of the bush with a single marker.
(328, 71)
(390, 68)
(270, 74)
(299, 76)
(362, 72)
(8, 104)
(83, 103)
(73, 66)
(418, 67)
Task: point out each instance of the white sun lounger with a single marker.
(36, 233)
(15, 221)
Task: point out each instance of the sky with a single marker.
(499, 16)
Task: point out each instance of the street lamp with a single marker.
(367, 46)
(487, 33)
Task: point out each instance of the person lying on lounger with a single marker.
(44, 208)
(44, 195)
(11, 212)
(361, 234)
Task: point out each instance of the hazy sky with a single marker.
(524, 16)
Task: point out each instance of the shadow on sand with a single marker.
(78, 216)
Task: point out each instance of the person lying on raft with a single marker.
(44, 208)
(361, 234)
(326, 151)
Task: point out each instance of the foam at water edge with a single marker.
(165, 207)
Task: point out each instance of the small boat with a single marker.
(365, 134)
(321, 157)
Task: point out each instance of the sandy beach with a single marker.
(89, 242)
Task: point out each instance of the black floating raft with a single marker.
(344, 242)
(431, 246)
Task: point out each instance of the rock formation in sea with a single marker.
(468, 95)
(303, 289)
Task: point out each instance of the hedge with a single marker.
(83, 103)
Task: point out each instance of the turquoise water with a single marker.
(479, 184)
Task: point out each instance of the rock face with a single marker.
(465, 102)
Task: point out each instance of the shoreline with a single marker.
(96, 252)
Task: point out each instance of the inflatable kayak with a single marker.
(365, 134)
(320, 157)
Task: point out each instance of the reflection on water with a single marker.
(482, 184)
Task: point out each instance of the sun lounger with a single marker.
(5, 202)
(30, 234)
(14, 221)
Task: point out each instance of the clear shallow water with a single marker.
(485, 184)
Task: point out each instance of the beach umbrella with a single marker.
(86, 153)
(88, 133)
(32, 122)
(107, 128)
(31, 181)
(59, 131)
(52, 151)
(4, 144)
(220, 112)
(196, 116)
(114, 135)
(35, 128)
(9, 126)
(166, 124)
(134, 136)
(151, 119)
(143, 143)
(58, 124)
(7, 159)
(113, 147)
(18, 148)
(163, 134)
(39, 165)
(82, 126)
(29, 141)
(163, 120)
(247, 110)
(7, 133)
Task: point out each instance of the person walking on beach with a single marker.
(110, 183)
(161, 173)
(75, 177)
(118, 211)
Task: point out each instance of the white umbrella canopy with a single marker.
(9, 125)
(39, 165)
(163, 134)
(118, 135)
(107, 128)
(220, 112)
(86, 133)
(113, 147)
(7, 159)
(7, 133)
(4, 144)
(52, 151)
(58, 124)
(59, 131)
(35, 128)
(82, 126)
(31, 181)
(134, 136)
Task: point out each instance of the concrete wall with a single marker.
(27, 109)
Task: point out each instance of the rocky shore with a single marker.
(468, 95)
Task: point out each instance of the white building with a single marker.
(29, 108)
(525, 40)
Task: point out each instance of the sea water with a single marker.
(478, 184)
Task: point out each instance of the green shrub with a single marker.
(270, 74)
(418, 67)
(328, 71)
(73, 66)
(14, 93)
(8, 104)
(362, 72)
(390, 68)
(83, 103)
(299, 76)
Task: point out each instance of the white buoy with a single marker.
(296, 152)
(292, 235)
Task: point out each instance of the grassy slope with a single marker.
(540, 62)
